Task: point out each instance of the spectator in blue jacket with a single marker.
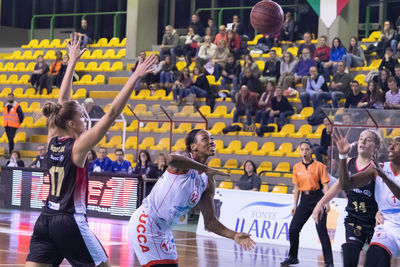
(302, 70)
(336, 55)
(121, 165)
(316, 85)
(102, 163)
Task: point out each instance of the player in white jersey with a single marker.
(386, 240)
(188, 181)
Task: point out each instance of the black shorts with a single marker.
(68, 236)
(358, 234)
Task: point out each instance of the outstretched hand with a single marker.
(74, 46)
(145, 66)
(244, 241)
(342, 142)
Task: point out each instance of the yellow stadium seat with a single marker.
(149, 127)
(374, 64)
(96, 54)
(234, 146)
(122, 43)
(265, 149)
(179, 145)
(395, 132)
(30, 67)
(165, 127)
(286, 130)
(104, 66)
(231, 164)
(9, 66)
(121, 53)
(20, 137)
(373, 37)
(264, 166)
(118, 126)
(41, 138)
(182, 128)
(34, 43)
(163, 144)
(264, 187)
(3, 80)
(303, 131)
(35, 107)
(133, 126)
(317, 133)
(102, 42)
(146, 143)
(360, 78)
(186, 111)
(219, 144)
(92, 66)
(143, 94)
(80, 93)
(102, 141)
(226, 184)
(115, 141)
(40, 123)
(200, 125)
(278, 51)
(1, 107)
(85, 55)
(214, 163)
(5, 91)
(282, 189)
(55, 43)
(24, 79)
(217, 128)
(1, 66)
(131, 142)
(99, 79)
(249, 147)
(260, 64)
(117, 66)
(12, 79)
(45, 43)
(304, 114)
(80, 66)
(35, 55)
(239, 170)
(85, 79)
(255, 40)
(108, 54)
(3, 138)
(219, 112)
(129, 157)
(293, 50)
(18, 92)
(205, 110)
(14, 55)
(282, 150)
(180, 65)
(51, 54)
(294, 154)
(25, 107)
(113, 42)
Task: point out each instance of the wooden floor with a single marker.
(16, 229)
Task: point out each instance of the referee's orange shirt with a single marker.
(308, 178)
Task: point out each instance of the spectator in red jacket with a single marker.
(246, 104)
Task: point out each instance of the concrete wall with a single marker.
(345, 25)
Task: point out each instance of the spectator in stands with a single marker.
(373, 99)
(382, 79)
(103, 162)
(197, 25)
(85, 33)
(234, 44)
(252, 82)
(322, 52)
(397, 74)
(222, 35)
(307, 44)
(40, 70)
(63, 69)
(250, 180)
(212, 27)
(47, 81)
(336, 55)
(160, 166)
(246, 104)
(219, 59)
(144, 166)
(12, 119)
(181, 85)
(203, 39)
(355, 55)
(325, 143)
(168, 73)
(287, 67)
(355, 96)
(249, 63)
(288, 29)
(236, 26)
(272, 68)
(40, 160)
(120, 165)
(339, 87)
(141, 56)
(393, 95)
(265, 43)
(191, 44)
(387, 35)
(280, 109)
(200, 88)
(230, 75)
(206, 52)
(15, 160)
(94, 111)
(301, 71)
(316, 89)
(169, 43)
(152, 78)
(388, 61)
(395, 42)
(265, 104)
(92, 156)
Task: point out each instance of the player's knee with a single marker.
(377, 256)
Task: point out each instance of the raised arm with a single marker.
(392, 185)
(74, 54)
(90, 138)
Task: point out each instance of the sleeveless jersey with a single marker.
(68, 183)
(361, 205)
(388, 204)
(174, 195)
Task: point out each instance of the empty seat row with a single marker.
(279, 188)
(87, 80)
(104, 66)
(57, 43)
(51, 54)
(31, 93)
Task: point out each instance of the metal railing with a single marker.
(116, 26)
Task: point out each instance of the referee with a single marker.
(308, 178)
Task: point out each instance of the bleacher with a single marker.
(103, 70)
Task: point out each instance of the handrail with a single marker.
(53, 16)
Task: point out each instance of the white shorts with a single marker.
(150, 244)
(387, 236)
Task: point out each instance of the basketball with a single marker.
(266, 17)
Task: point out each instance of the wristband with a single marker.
(342, 156)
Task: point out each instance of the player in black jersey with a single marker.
(361, 206)
(62, 230)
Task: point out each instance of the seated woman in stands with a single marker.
(249, 180)
(181, 85)
(41, 69)
(15, 161)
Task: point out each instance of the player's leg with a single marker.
(377, 256)
(356, 236)
(383, 245)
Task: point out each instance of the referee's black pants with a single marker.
(300, 217)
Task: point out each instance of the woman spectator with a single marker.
(168, 73)
(280, 109)
(160, 166)
(252, 81)
(373, 98)
(51, 78)
(382, 80)
(288, 28)
(236, 26)
(181, 85)
(219, 59)
(191, 44)
(200, 87)
(249, 63)
(144, 166)
(250, 180)
(355, 55)
(265, 103)
(287, 66)
(61, 73)
(15, 161)
(234, 44)
(336, 54)
(40, 70)
(153, 77)
(92, 156)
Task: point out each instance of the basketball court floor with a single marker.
(16, 228)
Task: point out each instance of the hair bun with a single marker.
(50, 109)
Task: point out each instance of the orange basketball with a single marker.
(266, 17)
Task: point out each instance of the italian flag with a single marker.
(328, 10)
